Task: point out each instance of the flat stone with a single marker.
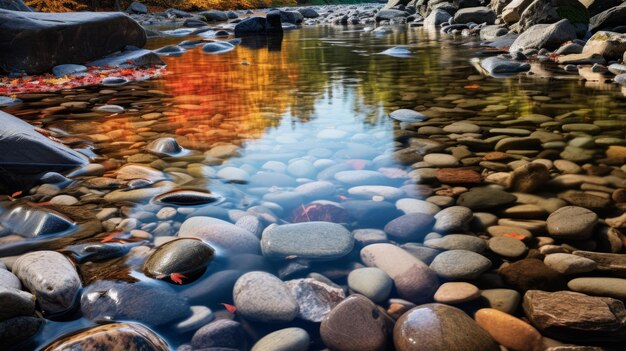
(371, 282)
(528, 178)
(186, 256)
(263, 297)
(417, 206)
(412, 278)
(606, 261)
(354, 324)
(508, 331)
(288, 339)
(458, 176)
(600, 286)
(507, 247)
(485, 198)
(441, 160)
(575, 317)
(457, 242)
(569, 264)
(456, 292)
(368, 191)
(572, 222)
(310, 240)
(531, 273)
(422, 328)
(460, 265)
(406, 115)
(51, 277)
(220, 334)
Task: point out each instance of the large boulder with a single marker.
(293, 17)
(26, 154)
(14, 5)
(34, 42)
(137, 8)
(551, 11)
(608, 19)
(478, 15)
(214, 16)
(271, 24)
(512, 12)
(610, 45)
(386, 15)
(545, 36)
(436, 18)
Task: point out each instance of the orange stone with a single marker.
(508, 331)
(458, 176)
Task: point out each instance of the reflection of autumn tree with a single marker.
(55, 5)
(229, 97)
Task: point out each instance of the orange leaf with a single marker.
(230, 308)
(177, 278)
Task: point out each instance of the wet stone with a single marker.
(15, 302)
(421, 328)
(600, 286)
(186, 257)
(505, 300)
(220, 334)
(460, 265)
(128, 336)
(508, 331)
(457, 242)
(289, 339)
(262, 297)
(410, 227)
(220, 234)
(452, 219)
(370, 282)
(456, 292)
(485, 198)
(569, 264)
(311, 240)
(572, 222)
(315, 299)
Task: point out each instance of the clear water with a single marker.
(322, 93)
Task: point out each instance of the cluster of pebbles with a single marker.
(474, 227)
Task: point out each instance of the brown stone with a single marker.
(508, 331)
(615, 263)
(354, 324)
(458, 176)
(118, 336)
(438, 327)
(575, 317)
(496, 156)
(532, 273)
(529, 177)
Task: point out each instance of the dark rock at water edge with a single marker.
(137, 8)
(186, 256)
(271, 24)
(39, 41)
(27, 154)
(14, 5)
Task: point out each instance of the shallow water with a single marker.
(322, 95)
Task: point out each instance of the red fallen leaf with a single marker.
(16, 194)
(230, 308)
(177, 278)
(517, 236)
(111, 237)
(319, 212)
(472, 86)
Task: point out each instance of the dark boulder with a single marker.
(35, 42)
(27, 154)
(133, 58)
(214, 16)
(596, 6)
(259, 25)
(608, 19)
(14, 5)
(293, 17)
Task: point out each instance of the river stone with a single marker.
(413, 280)
(354, 324)
(572, 222)
(51, 277)
(188, 257)
(460, 265)
(219, 233)
(15, 302)
(505, 300)
(315, 299)
(452, 219)
(18, 328)
(417, 206)
(165, 147)
(528, 178)
(148, 303)
(309, 240)
(518, 143)
(217, 47)
(410, 227)
(35, 222)
(569, 264)
(456, 292)
(531, 273)
(361, 177)
(122, 336)
(44, 40)
(576, 317)
(437, 327)
(262, 297)
(485, 198)
(288, 339)
(317, 189)
(458, 176)
(507, 247)
(222, 334)
(370, 282)
(545, 36)
(406, 115)
(457, 242)
(600, 286)
(508, 331)
(441, 160)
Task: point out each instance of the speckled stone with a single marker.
(289, 339)
(262, 297)
(460, 265)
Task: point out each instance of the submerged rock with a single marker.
(262, 297)
(167, 147)
(33, 222)
(188, 198)
(315, 299)
(123, 336)
(179, 260)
